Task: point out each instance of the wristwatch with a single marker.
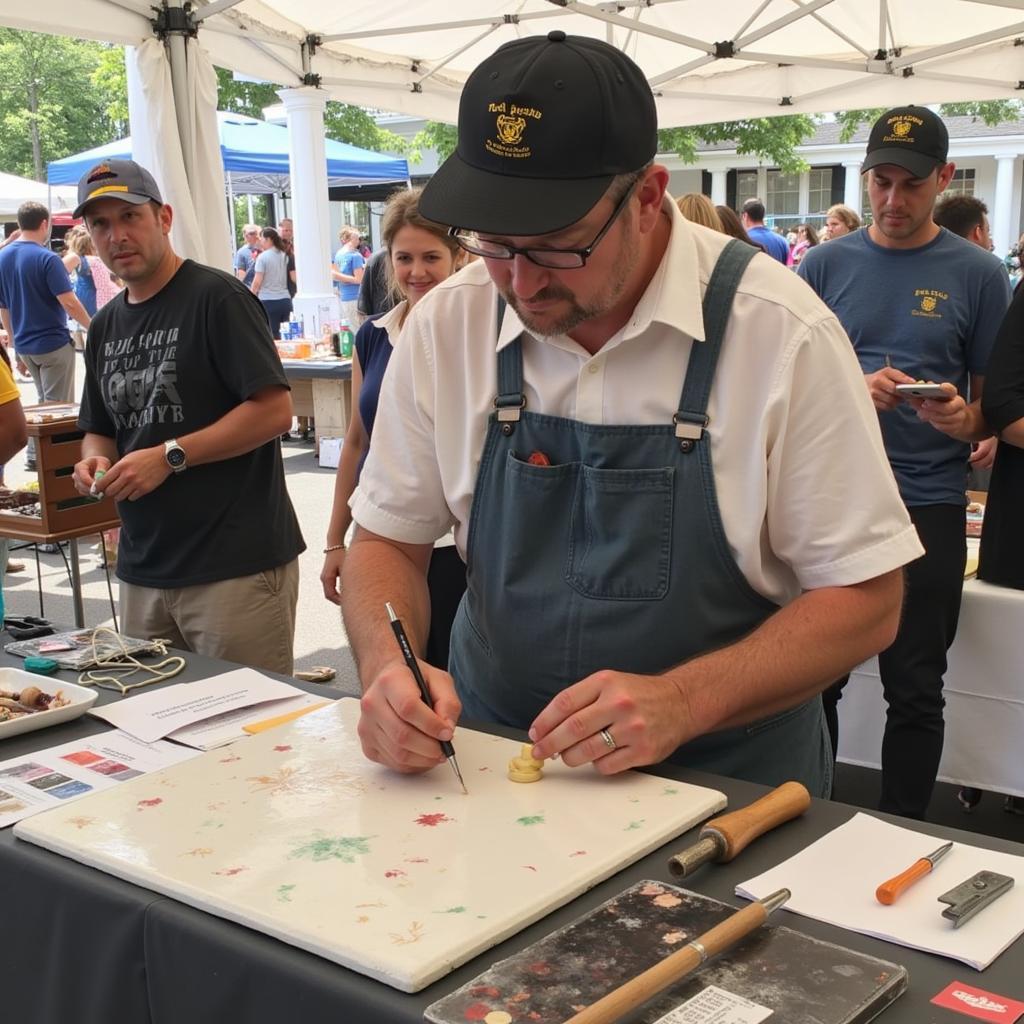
(175, 456)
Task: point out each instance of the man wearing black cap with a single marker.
(183, 405)
(634, 478)
(919, 303)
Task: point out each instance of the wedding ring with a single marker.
(609, 740)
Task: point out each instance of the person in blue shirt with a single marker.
(247, 253)
(36, 299)
(919, 304)
(347, 272)
(752, 217)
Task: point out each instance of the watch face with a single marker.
(176, 457)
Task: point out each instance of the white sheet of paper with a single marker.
(835, 879)
(49, 778)
(226, 728)
(152, 716)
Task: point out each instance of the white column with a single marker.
(762, 184)
(1003, 235)
(718, 190)
(851, 193)
(316, 300)
(804, 194)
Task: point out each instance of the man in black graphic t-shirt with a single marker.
(184, 401)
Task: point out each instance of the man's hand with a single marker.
(330, 575)
(21, 366)
(85, 472)
(397, 729)
(645, 716)
(882, 387)
(984, 453)
(136, 474)
(950, 416)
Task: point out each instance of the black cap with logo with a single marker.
(117, 179)
(914, 138)
(545, 124)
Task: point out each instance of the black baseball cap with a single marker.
(914, 138)
(545, 124)
(117, 179)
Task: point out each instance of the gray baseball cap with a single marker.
(117, 179)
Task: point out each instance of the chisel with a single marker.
(724, 837)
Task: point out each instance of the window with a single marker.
(746, 187)
(820, 195)
(962, 183)
(782, 203)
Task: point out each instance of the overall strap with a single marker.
(510, 400)
(691, 419)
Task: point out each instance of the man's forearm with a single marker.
(74, 308)
(99, 445)
(792, 656)
(377, 571)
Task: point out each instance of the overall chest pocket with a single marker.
(620, 545)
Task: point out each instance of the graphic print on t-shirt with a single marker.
(139, 378)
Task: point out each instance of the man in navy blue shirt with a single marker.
(35, 301)
(774, 244)
(919, 303)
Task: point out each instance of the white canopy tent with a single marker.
(707, 61)
(14, 191)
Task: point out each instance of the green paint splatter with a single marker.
(451, 910)
(669, 791)
(634, 799)
(343, 848)
(531, 819)
(211, 823)
(284, 893)
(634, 825)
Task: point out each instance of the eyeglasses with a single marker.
(553, 259)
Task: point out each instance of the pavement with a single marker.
(319, 636)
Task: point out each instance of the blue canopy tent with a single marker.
(255, 159)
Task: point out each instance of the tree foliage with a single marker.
(773, 139)
(50, 104)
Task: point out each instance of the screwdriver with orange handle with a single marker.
(888, 892)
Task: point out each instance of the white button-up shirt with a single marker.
(806, 495)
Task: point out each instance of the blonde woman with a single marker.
(347, 272)
(841, 220)
(94, 285)
(699, 209)
(420, 256)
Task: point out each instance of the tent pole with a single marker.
(231, 211)
(177, 57)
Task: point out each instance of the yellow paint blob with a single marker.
(498, 1017)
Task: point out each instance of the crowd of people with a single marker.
(632, 484)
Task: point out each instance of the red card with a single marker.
(976, 1002)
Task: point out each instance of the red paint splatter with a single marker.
(417, 860)
(155, 802)
(282, 747)
(534, 1015)
(476, 1011)
(228, 872)
(540, 968)
(529, 867)
(485, 990)
(230, 759)
(578, 853)
(394, 873)
(484, 769)
(433, 819)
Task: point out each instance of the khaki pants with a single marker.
(249, 620)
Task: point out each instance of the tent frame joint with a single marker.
(725, 50)
(172, 21)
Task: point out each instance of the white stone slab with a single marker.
(400, 877)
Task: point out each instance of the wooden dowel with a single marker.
(638, 990)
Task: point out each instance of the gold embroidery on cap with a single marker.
(510, 126)
(901, 128)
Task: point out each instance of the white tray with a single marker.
(16, 679)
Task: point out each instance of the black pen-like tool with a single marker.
(410, 659)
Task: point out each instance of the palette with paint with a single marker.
(402, 878)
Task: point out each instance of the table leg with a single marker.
(76, 584)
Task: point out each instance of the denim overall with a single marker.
(614, 557)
